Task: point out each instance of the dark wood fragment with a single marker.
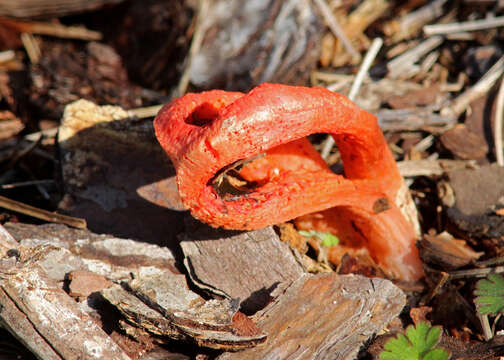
(464, 143)
(139, 314)
(478, 193)
(253, 262)
(114, 170)
(325, 316)
(446, 252)
(425, 96)
(481, 121)
(160, 353)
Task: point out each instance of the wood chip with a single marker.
(254, 263)
(55, 316)
(463, 143)
(447, 252)
(325, 316)
(83, 283)
(162, 304)
(478, 192)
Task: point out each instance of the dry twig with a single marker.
(459, 104)
(404, 62)
(43, 133)
(27, 183)
(475, 25)
(7, 55)
(413, 168)
(485, 326)
(32, 47)
(475, 273)
(41, 214)
(414, 119)
(51, 29)
(499, 112)
(146, 112)
(412, 22)
(336, 29)
(197, 41)
(363, 70)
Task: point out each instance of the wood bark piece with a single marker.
(11, 317)
(464, 143)
(114, 170)
(162, 304)
(478, 196)
(16, 322)
(83, 283)
(76, 249)
(253, 262)
(324, 316)
(138, 313)
(56, 317)
(446, 252)
(260, 41)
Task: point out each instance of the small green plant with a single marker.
(418, 344)
(326, 238)
(490, 295)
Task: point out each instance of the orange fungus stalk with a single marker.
(256, 144)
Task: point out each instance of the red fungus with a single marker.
(207, 134)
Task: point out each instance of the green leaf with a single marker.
(490, 295)
(437, 354)
(326, 238)
(417, 344)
